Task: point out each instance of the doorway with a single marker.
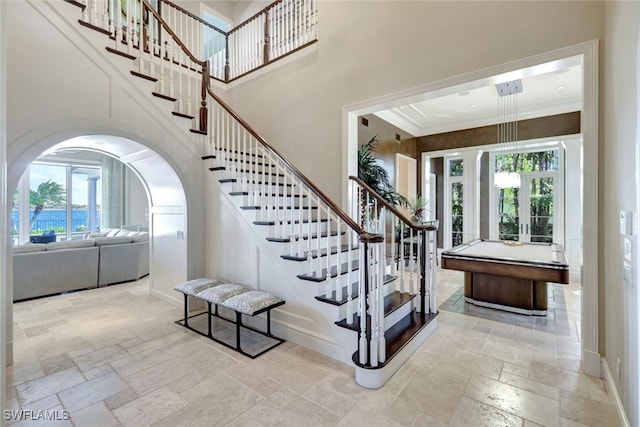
(586, 55)
(166, 206)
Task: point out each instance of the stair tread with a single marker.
(314, 253)
(303, 237)
(163, 96)
(186, 116)
(344, 297)
(143, 76)
(246, 193)
(304, 221)
(392, 302)
(258, 207)
(397, 337)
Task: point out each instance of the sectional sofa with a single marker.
(107, 257)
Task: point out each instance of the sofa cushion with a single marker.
(112, 232)
(141, 237)
(119, 240)
(29, 247)
(123, 233)
(95, 234)
(69, 244)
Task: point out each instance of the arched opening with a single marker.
(166, 201)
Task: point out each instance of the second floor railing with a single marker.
(279, 29)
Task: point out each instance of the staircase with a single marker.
(374, 268)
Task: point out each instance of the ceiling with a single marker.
(547, 89)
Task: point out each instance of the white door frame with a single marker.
(588, 51)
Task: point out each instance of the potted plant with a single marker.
(374, 175)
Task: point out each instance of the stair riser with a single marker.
(342, 309)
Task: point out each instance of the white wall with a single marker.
(573, 205)
(137, 206)
(368, 49)
(619, 302)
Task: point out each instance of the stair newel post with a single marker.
(433, 288)
(188, 62)
(382, 345)
(318, 232)
(363, 287)
(373, 303)
(151, 43)
(420, 259)
(349, 280)
(282, 217)
(203, 97)
(338, 253)
(273, 196)
(328, 284)
(267, 38)
(226, 57)
(265, 188)
(411, 263)
(401, 259)
(425, 271)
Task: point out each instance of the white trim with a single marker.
(588, 51)
(612, 392)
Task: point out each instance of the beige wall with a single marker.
(397, 46)
(618, 145)
(5, 303)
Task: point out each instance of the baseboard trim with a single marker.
(614, 397)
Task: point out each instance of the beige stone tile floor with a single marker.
(114, 357)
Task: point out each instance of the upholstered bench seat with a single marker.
(251, 302)
(239, 299)
(219, 294)
(195, 286)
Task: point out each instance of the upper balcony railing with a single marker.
(278, 30)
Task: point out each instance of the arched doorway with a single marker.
(166, 199)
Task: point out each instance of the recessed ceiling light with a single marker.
(472, 105)
(561, 87)
(443, 116)
(465, 93)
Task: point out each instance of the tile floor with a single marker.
(114, 357)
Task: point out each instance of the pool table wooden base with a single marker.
(522, 296)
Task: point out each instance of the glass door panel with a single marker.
(539, 227)
(456, 213)
(509, 214)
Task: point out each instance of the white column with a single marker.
(24, 216)
(471, 196)
(92, 185)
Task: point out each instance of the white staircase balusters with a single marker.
(328, 284)
(411, 263)
(380, 326)
(349, 307)
(338, 286)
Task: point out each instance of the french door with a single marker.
(533, 212)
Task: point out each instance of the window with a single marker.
(61, 198)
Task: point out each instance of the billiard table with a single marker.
(510, 276)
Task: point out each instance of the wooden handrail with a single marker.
(197, 18)
(431, 226)
(246, 21)
(173, 35)
(363, 235)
